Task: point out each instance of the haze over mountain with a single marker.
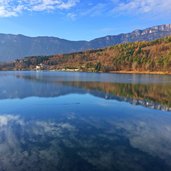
(18, 46)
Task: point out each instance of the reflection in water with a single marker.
(53, 123)
(155, 95)
(142, 94)
(73, 141)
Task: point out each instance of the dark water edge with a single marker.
(84, 122)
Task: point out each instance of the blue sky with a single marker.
(81, 19)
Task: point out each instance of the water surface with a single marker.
(84, 122)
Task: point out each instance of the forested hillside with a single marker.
(152, 56)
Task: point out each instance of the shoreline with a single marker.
(141, 72)
(111, 72)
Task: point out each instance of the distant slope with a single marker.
(19, 46)
(152, 56)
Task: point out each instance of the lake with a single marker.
(62, 121)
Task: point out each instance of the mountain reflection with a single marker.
(65, 122)
(154, 95)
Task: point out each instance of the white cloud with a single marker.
(69, 4)
(72, 16)
(143, 7)
(95, 10)
(13, 8)
(5, 119)
(103, 7)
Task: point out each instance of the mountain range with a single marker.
(18, 46)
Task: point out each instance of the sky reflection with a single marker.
(79, 126)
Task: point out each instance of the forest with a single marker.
(154, 56)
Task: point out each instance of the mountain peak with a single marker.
(19, 46)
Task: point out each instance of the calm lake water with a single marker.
(58, 121)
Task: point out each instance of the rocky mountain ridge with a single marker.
(19, 46)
